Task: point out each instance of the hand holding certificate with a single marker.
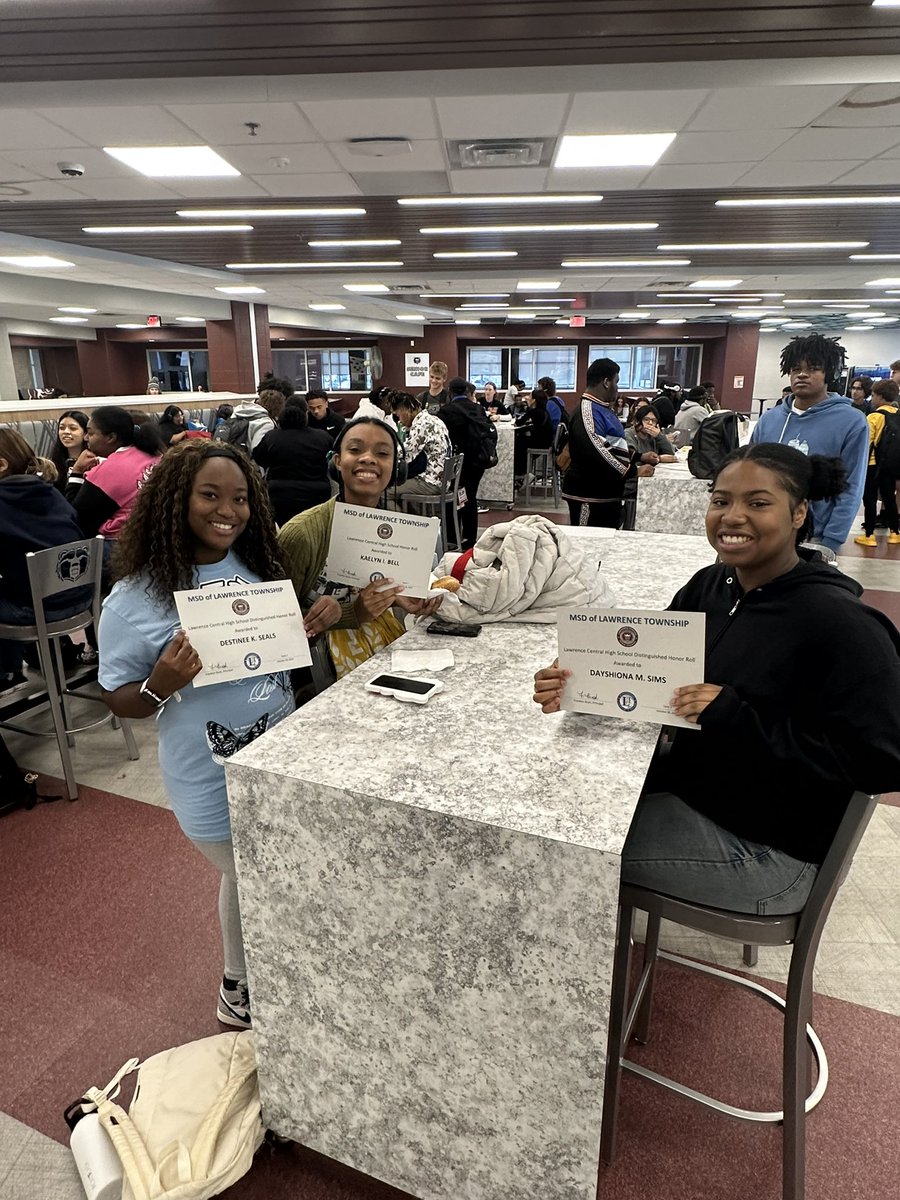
(627, 663)
(244, 630)
(370, 544)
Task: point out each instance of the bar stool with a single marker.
(801, 930)
(541, 468)
(445, 502)
(51, 573)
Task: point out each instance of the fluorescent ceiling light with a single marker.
(173, 162)
(312, 266)
(614, 227)
(724, 296)
(761, 308)
(243, 289)
(875, 257)
(630, 316)
(463, 295)
(564, 321)
(612, 149)
(191, 320)
(885, 283)
(70, 320)
(166, 228)
(556, 300)
(476, 254)
(409, 317)
(356, 242)
(529, 316)
(73, 308)
(38, 262)
(761, 245)
(460, 307)
(307, 211)
(807, 201)
(827, 303)
(468, 321)
(537, 285)
(366, 287)
(716, 283)
(885, 320)
(328, 307)
(443, 201)
(130, 325)
(678, 304)
(673, 321)
(796, 325)
(858, 328)
(625, 262)
(886, 3)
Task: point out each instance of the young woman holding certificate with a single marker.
(366, 457)
(800, 705)
(202, 519)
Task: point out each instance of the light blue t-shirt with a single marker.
(210, 724)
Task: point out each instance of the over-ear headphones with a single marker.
(399, 472)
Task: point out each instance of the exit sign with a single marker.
(154, 322)
(577, 322)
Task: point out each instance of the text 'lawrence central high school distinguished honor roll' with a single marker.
(368, 544)
(627, 662)
(244, 629)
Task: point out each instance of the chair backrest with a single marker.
(453, 465)
(62, 568)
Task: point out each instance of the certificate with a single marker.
(368, 544)
(244, 630)
(627, 662)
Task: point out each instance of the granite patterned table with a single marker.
(496, 485)
(428, 898)
(672, 501)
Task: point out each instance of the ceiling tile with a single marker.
(513, 115)
(48, 190)
(144, 125)
(875, 104)
(776, 173)
(225, 124)
(24, 130)
(837, 143)
(879, 170)
(741, 146)
(216, 189)
(766, 107)
(287, 186)
(609, 179)
(498, 180)
(261, 158)
(123, 189)
(96, 164)
(423, 156)
(677, 176)
(632, 111)
(406, 183)
(12, 171)
(339, 119)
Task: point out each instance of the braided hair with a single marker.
(156, 537)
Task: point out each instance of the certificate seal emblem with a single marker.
(376, 577)
(627, 701)
(627, 637)
(252, 661)
(240, 608)
(385, 532)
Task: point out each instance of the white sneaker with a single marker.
(234, 1005)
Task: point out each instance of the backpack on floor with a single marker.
(713, 442)
(887, 450)
(194, 1123)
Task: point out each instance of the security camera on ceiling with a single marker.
(70, 170)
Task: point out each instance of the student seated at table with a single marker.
(427, 446)
(645, 437)
(799, 705)
(534, 430)
(356, 624)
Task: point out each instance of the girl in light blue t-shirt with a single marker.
(201, 520)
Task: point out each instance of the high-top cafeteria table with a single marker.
(428, 898)
(671, 500)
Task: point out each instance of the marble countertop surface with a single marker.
(482, 750)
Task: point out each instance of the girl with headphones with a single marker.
(366, 460)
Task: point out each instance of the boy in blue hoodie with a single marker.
(818, 421)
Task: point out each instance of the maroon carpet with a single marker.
(110, 947)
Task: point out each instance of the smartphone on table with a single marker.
(452, 629)
(411, 691)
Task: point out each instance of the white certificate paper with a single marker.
(244, 630)
(368, 544)
(627, 662)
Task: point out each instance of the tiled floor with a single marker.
(859, 961)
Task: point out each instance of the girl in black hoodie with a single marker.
(800, 708)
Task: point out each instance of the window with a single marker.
(502, 364)
(637, 364)
(332, 368)
(680, 363)
(179, 370)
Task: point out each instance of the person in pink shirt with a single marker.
(106, 477)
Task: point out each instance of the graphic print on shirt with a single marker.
(802, 446)
(224, 743)
(234, 581)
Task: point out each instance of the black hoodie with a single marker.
(809, 711)
(34, 516)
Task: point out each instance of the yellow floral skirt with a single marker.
(351, 647)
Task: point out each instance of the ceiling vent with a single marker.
(402, 289)
(502, 152)
(378, 147)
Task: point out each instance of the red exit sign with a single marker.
(154, 322)
(577, 322)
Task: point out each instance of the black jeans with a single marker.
(468, 514)
(879, 483)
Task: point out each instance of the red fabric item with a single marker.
(458, 568)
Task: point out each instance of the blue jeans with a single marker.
(673, 849)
